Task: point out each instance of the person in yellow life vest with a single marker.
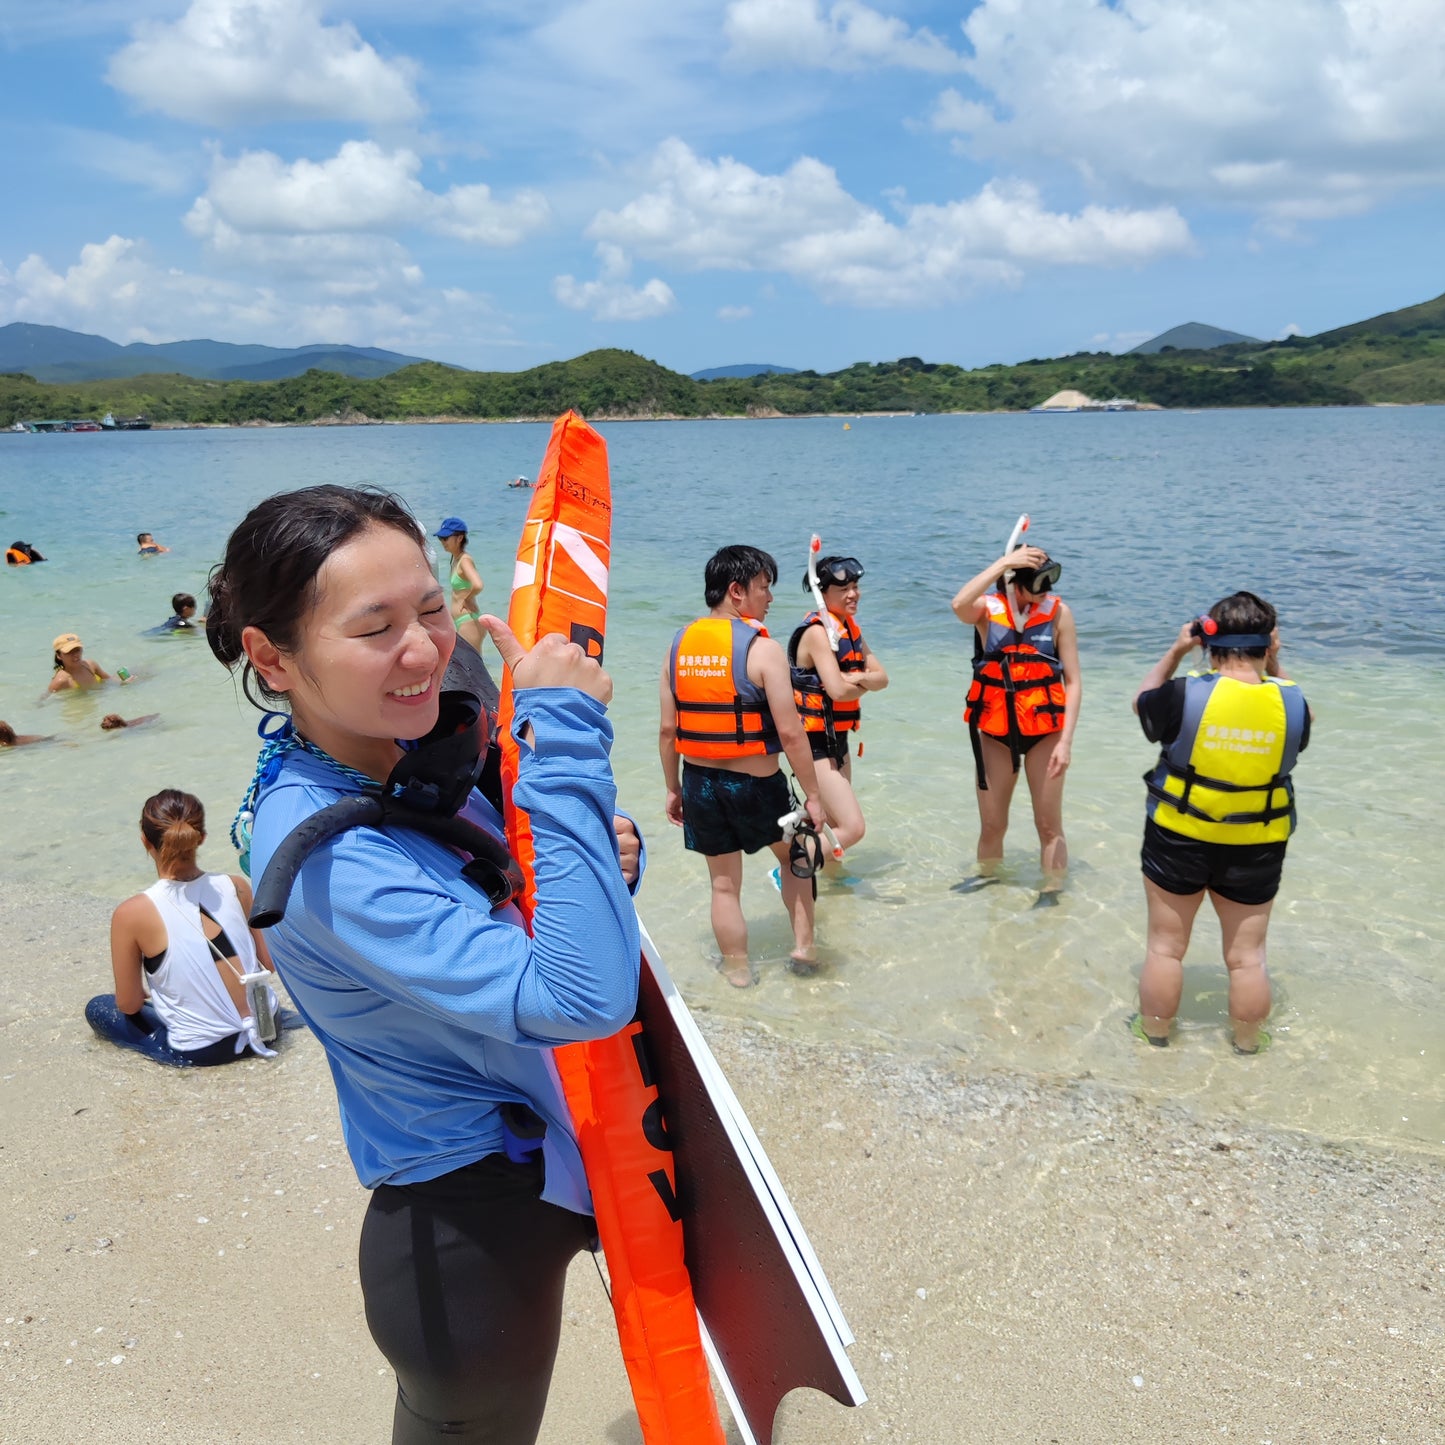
(727, 712)
(828, 681)
(1220, 810)
(1023, 705)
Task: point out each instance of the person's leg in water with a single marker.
(1243, 927)
(1161, 982)
(798, 900)
(463, 1279)
(725, 870)
(993, 806)
(840, 804)
(1047, 794)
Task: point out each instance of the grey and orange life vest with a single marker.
(1226, 777)
(1018, 680)
(720, 713)
(819, 712)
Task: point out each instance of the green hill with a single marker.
(1192, 336)
(1396, 358)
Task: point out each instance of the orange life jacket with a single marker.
(821, 713)
(1018, 680)
(16, 558)
(720, 713)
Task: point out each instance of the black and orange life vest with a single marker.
(821, 713)
(1018, 680)
(720, 713)
(16, 558)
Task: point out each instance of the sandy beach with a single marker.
(1022, 1259)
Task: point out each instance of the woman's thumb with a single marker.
(511, 650)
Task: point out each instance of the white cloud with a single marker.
(363, 188)
(117, 289)
(1292, 328)
(846, 36)
(1119, 341)
(734, 313)
(1298, 110)
(610, 298)
(226, 61)
(723, 215)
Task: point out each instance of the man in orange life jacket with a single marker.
(829, 679)
(1022, 707)
(727, 711)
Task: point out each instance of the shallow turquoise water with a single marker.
(1333, 515)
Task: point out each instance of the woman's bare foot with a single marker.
(805, 965)
(737, 971)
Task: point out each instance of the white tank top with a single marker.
(186, 987)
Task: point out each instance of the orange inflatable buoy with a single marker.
(560, 585)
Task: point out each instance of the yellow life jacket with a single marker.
(1226, 777)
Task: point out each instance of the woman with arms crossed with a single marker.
(435, 1008)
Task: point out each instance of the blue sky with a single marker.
(498, 183)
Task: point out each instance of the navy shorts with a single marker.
(823, 746)
(727, 812)
(1247, 873)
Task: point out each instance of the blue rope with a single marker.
(276, 742)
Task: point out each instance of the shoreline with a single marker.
(1044, 1256)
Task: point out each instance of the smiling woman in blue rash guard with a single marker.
(436, 1008)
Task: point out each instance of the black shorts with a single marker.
(1246, 873)
(835, 747)
(727, 812)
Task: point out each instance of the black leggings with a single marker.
(462, 1278)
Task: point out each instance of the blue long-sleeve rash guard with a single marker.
(433, 1009)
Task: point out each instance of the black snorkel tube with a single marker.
(424, 793)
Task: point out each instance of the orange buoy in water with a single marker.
(560, 585)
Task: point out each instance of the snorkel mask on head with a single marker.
(835, 572)
(1038, 580)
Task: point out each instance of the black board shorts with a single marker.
(1247, 873)
(835, 748)
(727, 812)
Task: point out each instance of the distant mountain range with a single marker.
(1192, 336)
(50, 353)
(743, 369)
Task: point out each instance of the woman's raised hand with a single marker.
(1024, 557)
(552, 662)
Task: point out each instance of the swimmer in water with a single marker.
(112, 721)
(9, 738)
(72, 668)
(183, 615)
(147, 546)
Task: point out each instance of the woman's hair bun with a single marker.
(223, 638)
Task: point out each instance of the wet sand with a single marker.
(1022, 1259)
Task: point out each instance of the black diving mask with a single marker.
(1038, 580)
(836, 572)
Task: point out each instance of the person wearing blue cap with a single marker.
(466, 580)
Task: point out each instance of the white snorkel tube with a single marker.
(789, 824)
(815, 547)
(1020, 527)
